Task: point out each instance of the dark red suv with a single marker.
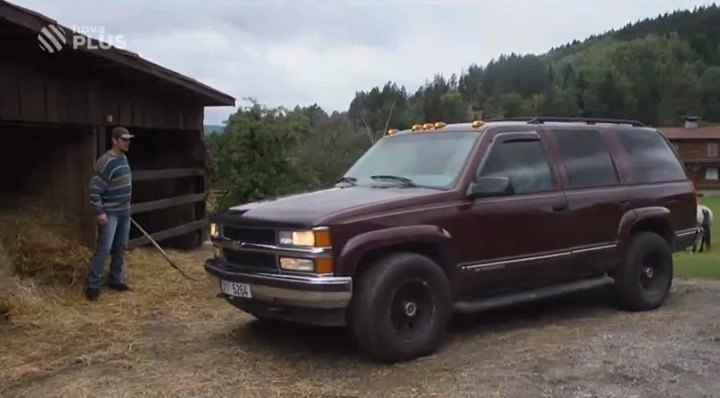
(446, 219)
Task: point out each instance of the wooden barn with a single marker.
(56, 113)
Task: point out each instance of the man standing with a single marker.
(110, 193)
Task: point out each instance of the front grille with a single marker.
(250, 259)
(250, 235)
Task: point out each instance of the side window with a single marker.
(712, 149)
(651, 159)
(587, 160)
(523, 162)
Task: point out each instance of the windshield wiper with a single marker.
(404, 180)
(348, 180)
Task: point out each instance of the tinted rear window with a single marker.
(651, 158)
(586, 158)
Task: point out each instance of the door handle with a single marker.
(560, 206)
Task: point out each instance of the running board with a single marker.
(484, 304)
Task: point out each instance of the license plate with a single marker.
(236, 289)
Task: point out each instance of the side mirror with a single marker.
(490, 186)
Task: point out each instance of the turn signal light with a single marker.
(322, 238)
(323, 265)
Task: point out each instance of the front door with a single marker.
(520, 240)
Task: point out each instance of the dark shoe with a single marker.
(92, 293)
(120, 287)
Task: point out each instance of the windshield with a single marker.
(426, 159)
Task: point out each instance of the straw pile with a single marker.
(7, 281)
(37, 245)
(48, 324)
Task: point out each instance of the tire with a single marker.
(644, 278)
(401, 308)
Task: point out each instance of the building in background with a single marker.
(699, 148)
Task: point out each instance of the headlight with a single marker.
(214, 230)
(308, 238)
(297, 264)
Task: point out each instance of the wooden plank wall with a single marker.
(695, 149)
(65, 87)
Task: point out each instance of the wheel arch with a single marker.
(428, 240)
(650, 219)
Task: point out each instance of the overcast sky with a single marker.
(299, 53)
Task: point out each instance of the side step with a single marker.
(484, 304)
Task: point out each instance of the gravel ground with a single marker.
(578, 346)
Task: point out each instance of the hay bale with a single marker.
(42, 244)
(7, 281)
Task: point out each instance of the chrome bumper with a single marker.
(321, 292)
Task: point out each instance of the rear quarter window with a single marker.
(650, 157)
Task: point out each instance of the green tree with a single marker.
(256, 157)
(710, 83)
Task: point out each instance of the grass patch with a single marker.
(707, 264)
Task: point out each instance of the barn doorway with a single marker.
(48, 164)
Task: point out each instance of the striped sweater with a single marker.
(111, 186)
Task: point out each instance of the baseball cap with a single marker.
(121, 132)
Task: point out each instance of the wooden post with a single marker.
(101, 140)
(88, 155)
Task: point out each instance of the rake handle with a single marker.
(164, 254)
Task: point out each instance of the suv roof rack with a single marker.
(588, 120)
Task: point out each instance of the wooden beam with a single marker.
(168, 233)
(166, 173)
(168, 202)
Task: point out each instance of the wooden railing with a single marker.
(187, 199)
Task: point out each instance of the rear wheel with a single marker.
(401, 308)
(644, 279)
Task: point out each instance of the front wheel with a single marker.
(401, 308)
(643, 280)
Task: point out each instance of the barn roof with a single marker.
(698, 133)
(35, 21)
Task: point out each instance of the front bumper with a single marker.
(286, 291)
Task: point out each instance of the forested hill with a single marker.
(700, 27)
(656, 70)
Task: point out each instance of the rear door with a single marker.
(596, 199)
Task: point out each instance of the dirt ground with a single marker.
(195, 345)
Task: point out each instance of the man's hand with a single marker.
(101, 219)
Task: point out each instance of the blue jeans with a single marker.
(112, 239)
